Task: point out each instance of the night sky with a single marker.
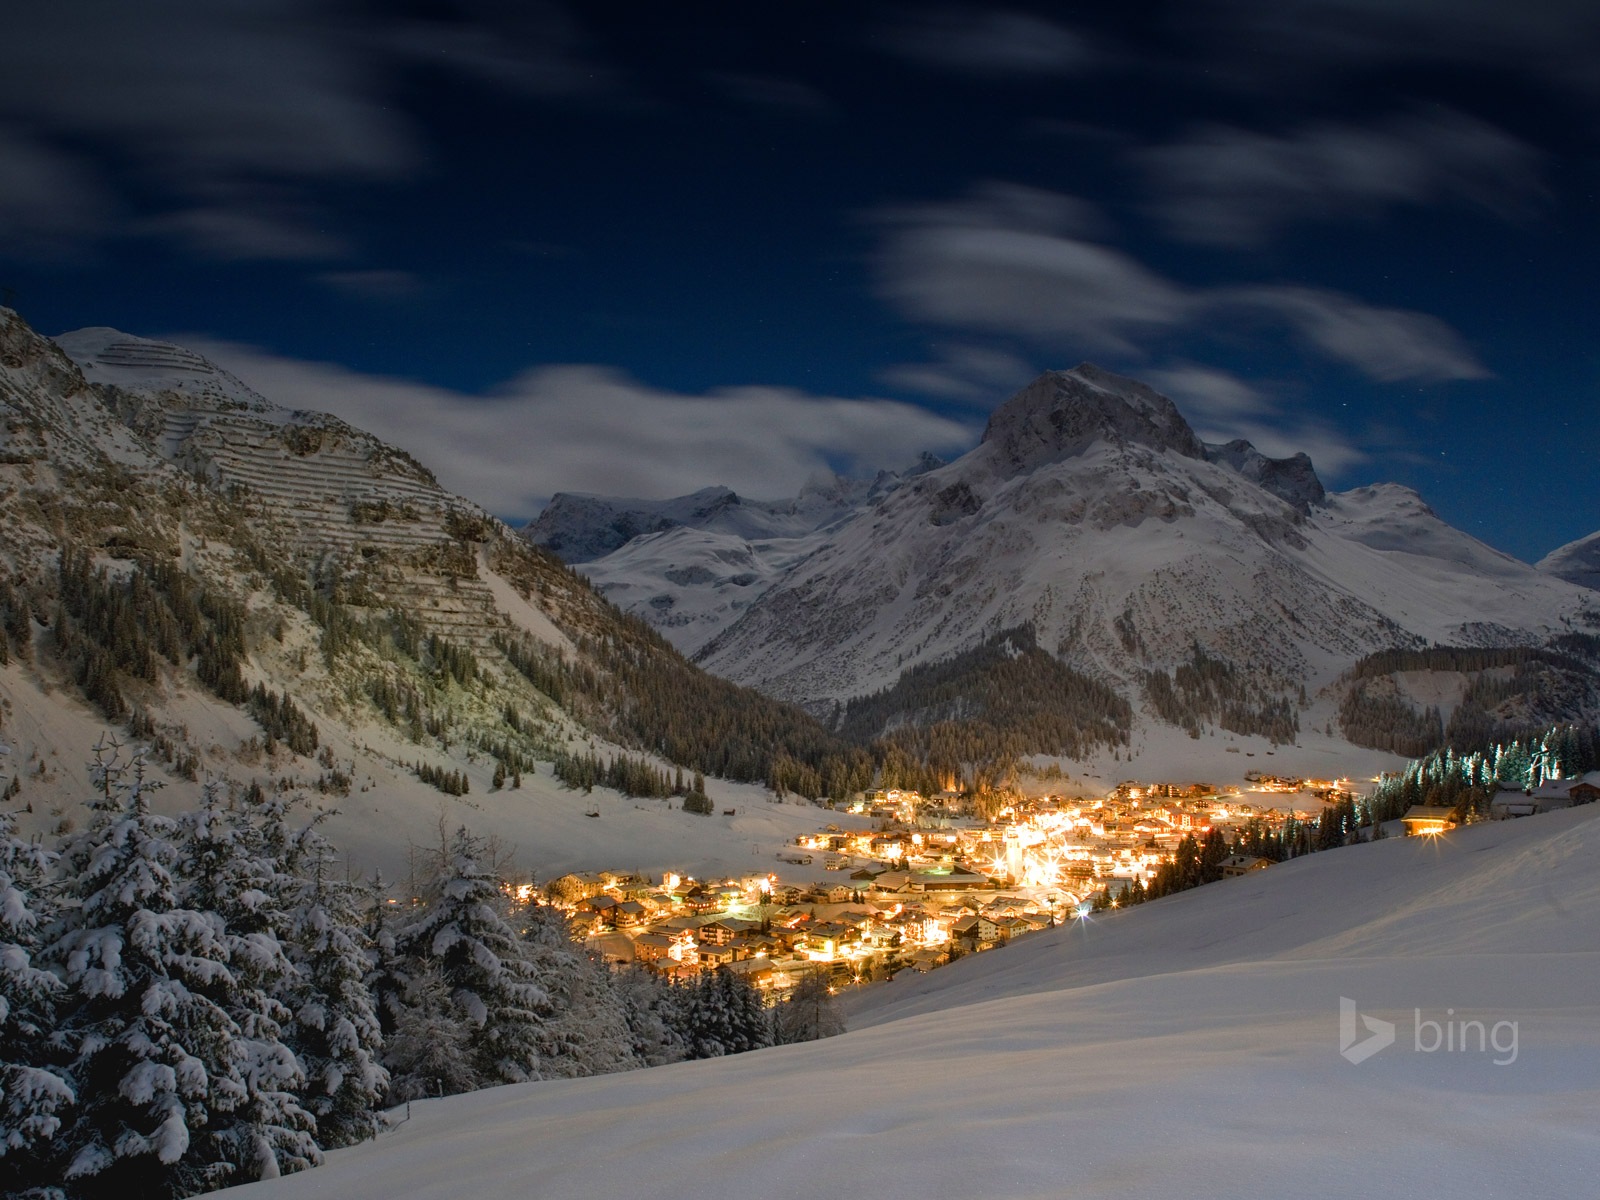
(642, 248)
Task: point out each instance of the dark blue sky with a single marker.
(639, 248)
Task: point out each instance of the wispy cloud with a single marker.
(1232, 187)
(1015, 260)
(527, 46)
(385, 285)
(769, 91)
(1555, 40)
(225, 115)
(1020, 263)
(594, 429)
(962, 372)
(1386, 344)
(1222, 407)
(48, 200)
(987, 41)
(244, 228)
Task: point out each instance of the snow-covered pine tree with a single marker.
(386, 975)
(586, 1032)
(335, 1031)
(33, 1097)
(656, 1015)
(428, 1054)
(463, 930)
(153, 1056)
(725, 1016)
(233, 865)
(808, 1014)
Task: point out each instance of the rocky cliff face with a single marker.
(1063, 413)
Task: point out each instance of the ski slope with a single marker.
(1188, 1048)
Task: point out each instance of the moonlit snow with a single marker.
(1187, 1048)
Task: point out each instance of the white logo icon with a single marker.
(1380, 1033)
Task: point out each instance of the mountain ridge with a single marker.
(1089, 513)
(1577, 562)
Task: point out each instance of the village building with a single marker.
(1428, 819)
(1242, 864)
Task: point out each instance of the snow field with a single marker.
(1187, 1048)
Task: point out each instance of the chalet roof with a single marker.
(1428, 812)
(955, 881)
(731, 924)
(1246, 860)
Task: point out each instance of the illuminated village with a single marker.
(923, 882)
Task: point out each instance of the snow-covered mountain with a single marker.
(580, 528)
(171, 540)
(692, 583)
(1190, 1047)
(1577, 562)
(1091, 512)
(691, 565)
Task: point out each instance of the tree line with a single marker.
(963, 723)
(632, 777)
(1206, 690)
(1515, 692)
(195, 1001)
(1464, 783)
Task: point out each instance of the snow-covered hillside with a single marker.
(1188, 1048)
(1092, 512)
(332, 545)
(1576, 562)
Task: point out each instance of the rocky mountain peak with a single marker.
(1293, 480)
(1062, 413)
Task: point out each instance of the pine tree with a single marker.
(808, 1014)
(153, 1056)
(656, 1014)
(235, 866)
(386, 977)
(725, 1016)
(335, 1033)
(33, 1097)
(491, 982)
(430, 1051)
(586, 1031)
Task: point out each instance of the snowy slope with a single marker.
(692, 564)
(691, 583)
(1188, 1048)
(145, 365)
(1576, 562)
(104, 439)
(1092, 511)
